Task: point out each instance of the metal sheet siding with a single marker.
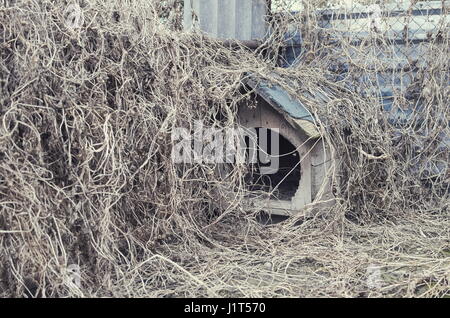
(227, 19)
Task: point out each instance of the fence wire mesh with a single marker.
(394, 52)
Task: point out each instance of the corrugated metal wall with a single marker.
(227, 19)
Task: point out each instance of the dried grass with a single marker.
(86, 176)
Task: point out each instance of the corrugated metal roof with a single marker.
(227, 19)
(282, 101)
(279, 98)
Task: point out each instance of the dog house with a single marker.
(303, 158)
(402, 32)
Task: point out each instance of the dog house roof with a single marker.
(284, 103)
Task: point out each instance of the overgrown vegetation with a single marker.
(86, 175)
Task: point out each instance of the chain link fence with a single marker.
(396, 53)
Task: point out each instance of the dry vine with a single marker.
(86, 175)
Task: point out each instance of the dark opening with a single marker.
(284, 181)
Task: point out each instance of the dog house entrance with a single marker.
(276, 168)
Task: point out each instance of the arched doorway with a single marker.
(277, 168)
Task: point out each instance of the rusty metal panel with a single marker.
(227, 19)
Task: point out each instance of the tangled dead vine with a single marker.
(86, 176)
